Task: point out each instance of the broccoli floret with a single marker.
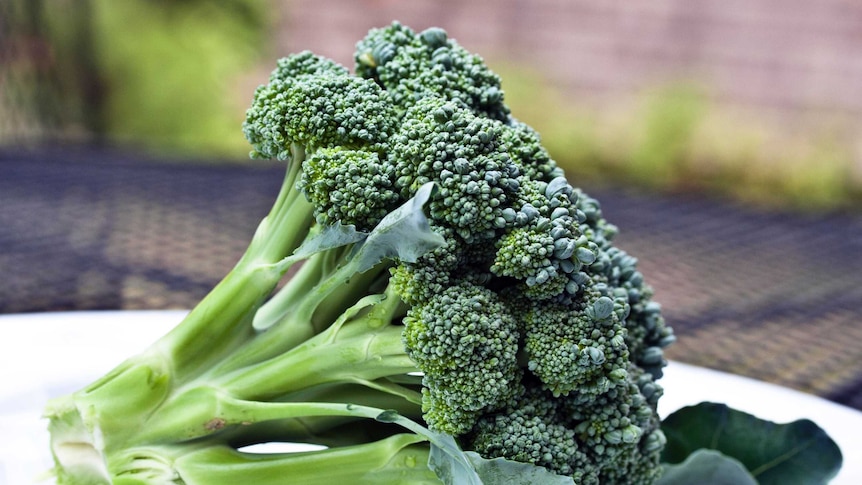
(613, 437)
(434, 271)
(465, 341)
(548, 246)
(620, 430)
(312, 103)
(525, 147)
(531, 428)
(413, 66)
(351, 187)
(577, 348)
(449, 290)
(460, 152)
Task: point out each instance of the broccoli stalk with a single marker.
(216, 371)
(458, 311)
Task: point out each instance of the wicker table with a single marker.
(776, 296)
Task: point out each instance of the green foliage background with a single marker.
(168, 67)
(165, 75)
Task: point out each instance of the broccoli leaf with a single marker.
(450, 463)
(707, 467)
(794, 453)
(404, 234)
(455, 467)
(500, 471)
(330, 237)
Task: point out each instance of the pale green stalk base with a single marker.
(176, 413)
(400, 458)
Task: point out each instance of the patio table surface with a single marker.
(775, 295)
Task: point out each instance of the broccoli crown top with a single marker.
(537, 337)
(412, 66)
(311, 102)
(464, 155)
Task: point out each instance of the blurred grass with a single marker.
(675, 137)
(171, 69)
(168, 76)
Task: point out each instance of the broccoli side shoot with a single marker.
(450, 291)
(466, 342)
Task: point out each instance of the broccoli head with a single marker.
(450, 290)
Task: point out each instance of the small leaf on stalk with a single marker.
(456, 467)
(450, 463)
(500, 471)
(329, 237)
(404, 234)
(388, 416)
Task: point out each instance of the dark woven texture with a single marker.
(775, 296)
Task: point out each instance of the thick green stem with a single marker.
(205, 411)
(307, 304)
(215, 374)
(325, 286)
(106, 415)
(290, 314)
(329, 430)
(324, 359)
(278, 361)
(221, 321)
(290, 331)
(397, 460)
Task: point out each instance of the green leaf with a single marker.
(329, 237)
(449, 463)
(456, 467)
(706, 467)
(794, 453)
(404, 234)
(499, 471)
(388, 416)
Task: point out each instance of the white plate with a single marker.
(44, 355)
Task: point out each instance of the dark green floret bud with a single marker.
(434, 37)
(413, 66)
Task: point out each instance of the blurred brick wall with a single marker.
(790, 57)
